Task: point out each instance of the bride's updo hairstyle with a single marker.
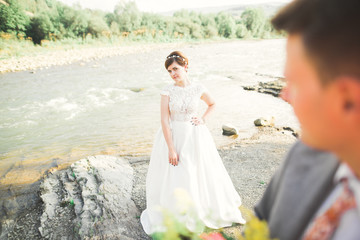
(178, 57)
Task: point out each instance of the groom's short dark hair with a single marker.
(330, 30)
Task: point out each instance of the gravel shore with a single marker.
(250, 165)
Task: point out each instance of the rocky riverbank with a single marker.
(101, 197)
(273, 87)
(86, 54)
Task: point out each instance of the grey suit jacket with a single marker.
(296, 191)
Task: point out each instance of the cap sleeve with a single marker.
(202, 89)
(165, 91)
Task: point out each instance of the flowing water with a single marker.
(111, 106)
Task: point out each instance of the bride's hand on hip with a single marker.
(196, 121)
(173, 158)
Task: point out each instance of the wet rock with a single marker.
(262, 122)
(273, 87)
(26, 225)
(137, 89)
(14, 201)
(250, 88)
(91, 200)
(229, 130)
(289, 131)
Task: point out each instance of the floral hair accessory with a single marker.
(176, 56)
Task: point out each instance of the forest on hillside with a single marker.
(51, 20)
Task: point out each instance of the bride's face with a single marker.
(177, 72)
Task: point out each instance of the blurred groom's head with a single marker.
(323, 71)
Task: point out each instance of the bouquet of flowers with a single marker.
(254, 229)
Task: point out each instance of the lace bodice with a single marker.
(184, 101)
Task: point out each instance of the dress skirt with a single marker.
(197, 189)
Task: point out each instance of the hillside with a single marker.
(235, 10)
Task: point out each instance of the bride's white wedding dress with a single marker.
(200, 178)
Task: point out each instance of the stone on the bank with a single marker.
(250, 88)
(262, 122)
(273, 87)
(137, 89)
(229, 130)
(292, 131)
(92, 200)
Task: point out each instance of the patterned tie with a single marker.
(325, 224)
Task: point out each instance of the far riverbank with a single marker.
(71, 54)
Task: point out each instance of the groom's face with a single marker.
(311, 100)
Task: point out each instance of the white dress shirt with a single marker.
(349, 225)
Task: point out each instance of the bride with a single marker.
(185, 159)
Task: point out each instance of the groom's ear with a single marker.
(349, 92)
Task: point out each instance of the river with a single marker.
(55, 116)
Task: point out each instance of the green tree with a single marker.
(80, 23)
(128, 16)
(182, 27)
(41, 6)
(210, 31)
(196, 31)
(255, 20)
(54, 14)
(28, 5)
(226, 24)
(153, 21)
(241, 31)
(97, 26)
(188, 24)
(207, 20)
(13, 18)
(208, 25)
(75, 21)
(40, 27)
(114, 29)
(110, 18)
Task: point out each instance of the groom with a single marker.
(310, 197)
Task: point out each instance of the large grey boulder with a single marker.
(229, 130)
(264, 121)
(91, 200)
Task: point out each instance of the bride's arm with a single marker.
(211, 106)
(165, 114)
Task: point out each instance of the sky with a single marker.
(158, 6)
